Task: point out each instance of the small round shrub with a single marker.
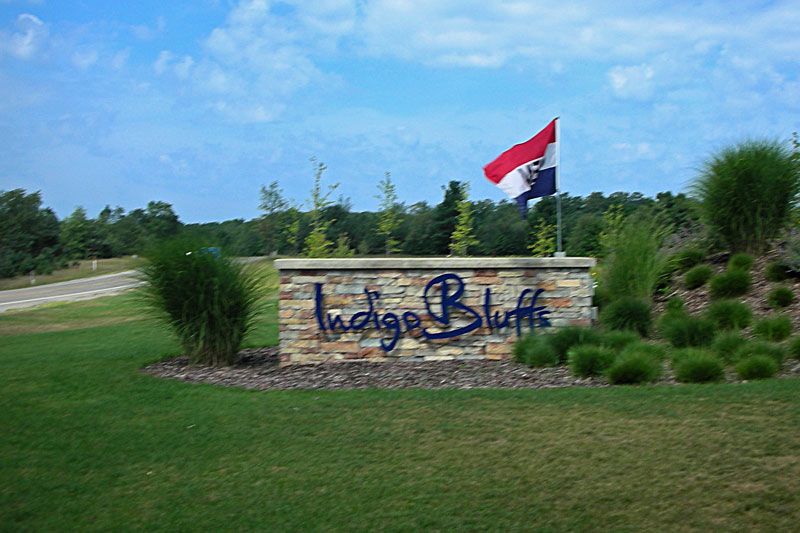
(729, 284)
(726, 346)
(741, 262)
(775, 271)
(675, 305)
(756, 367)
(794, 347)
(729, 314)
(780, 297)
(697, 276)
(687, 258)
(565, 338)
(775, 328)
(628, 313)
(682, 331)
(773, 351)
(534, 350)
(634, 367)
(589, 360)
(617, 340)
(699, 368)
(686, 353)
(656, 351)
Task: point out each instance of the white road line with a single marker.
(70, 295)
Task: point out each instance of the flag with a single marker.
(527, 170)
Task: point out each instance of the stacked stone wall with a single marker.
(392, 321)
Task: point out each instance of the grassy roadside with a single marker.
(82, 270)
(89, 443)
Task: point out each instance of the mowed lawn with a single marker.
(89, 443)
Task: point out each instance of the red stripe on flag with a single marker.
(521, 153)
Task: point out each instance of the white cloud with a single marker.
(632, 81)
(83, 59)
(147, 33)
(28, 39)
(163, 61)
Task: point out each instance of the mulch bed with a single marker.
(258, 369)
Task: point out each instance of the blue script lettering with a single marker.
(450, 287)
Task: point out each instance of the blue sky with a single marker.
(200, 102)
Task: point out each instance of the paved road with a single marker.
(68, 291)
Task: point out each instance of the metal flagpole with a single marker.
(558, 187)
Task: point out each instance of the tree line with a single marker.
(32, 237)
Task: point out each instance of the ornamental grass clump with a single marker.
(741, 262)
(209, 301)
(587, 360)
(779, 297)
(756, 367)
(697, 277)
(726, 346)
(617, 340)
(682, 330)
(635, 261)
(794, 347)
(565, 338)
(730, 284)
(776, 271)
(729, 314)
(656, 351)
(773, 351)
(634, 366)
(699, 367)
(628, 313)
(687, 258)
(534, 350)
(775, 328)
(746, 193)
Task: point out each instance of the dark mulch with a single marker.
(258, 369)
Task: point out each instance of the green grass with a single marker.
(83, 270)
(89, 443)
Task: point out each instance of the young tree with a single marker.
(273, 204)
(544, 239)
(463, 236)
(317, 243)
(389, 217)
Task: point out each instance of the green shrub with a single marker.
(794, 347)
(687, 258)
(657, 351)
(775, 328)
(726, 346)
(756, 367)
(730, 284)
(773, 351)
(601, 298)
(697, 277)
(775, 271)
(682, 331)
(617, 340)
(628, 313)
(589, 360)
(699, 367)
(675, 305)
(535, 350)
(729, 314)
(741, 262)
(746, 193)
(634, 367)
(780, 297)
(208, 301)
(636, 260)
(565, 338)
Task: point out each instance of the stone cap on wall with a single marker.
(446, 263)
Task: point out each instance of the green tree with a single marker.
(746, 193)
(585, 237)
(273, 204)
(613, 222)
(544, 239)
(437, 234)
(317, 243)
(80, 237)
(463, 236)
(28, 233)
(389, 216)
